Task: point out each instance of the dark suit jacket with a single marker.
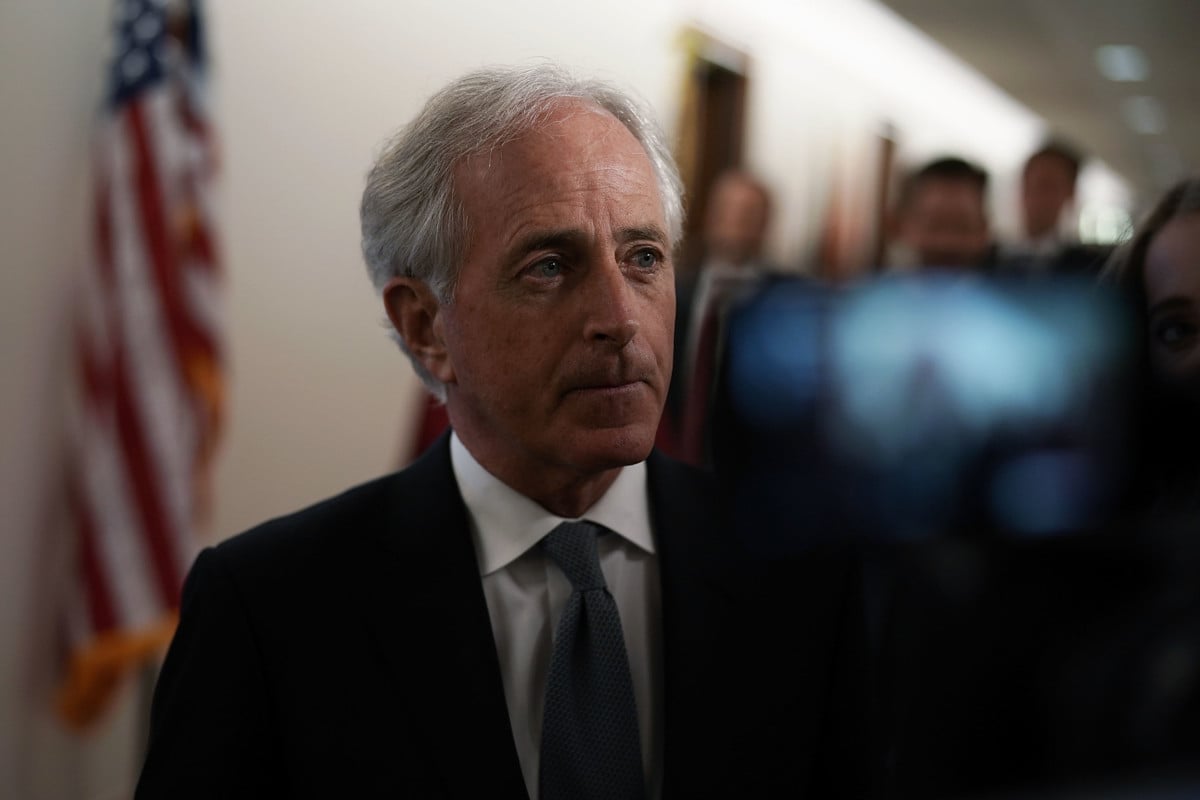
(1071, 260)
(346, 651)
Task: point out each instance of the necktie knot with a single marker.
(572, 546)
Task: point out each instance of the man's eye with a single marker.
(548, 268)
(645, 259)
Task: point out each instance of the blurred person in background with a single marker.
(941, 218)
(461, 628)
(1049, 245)
(735, 227)
(731, 264)
(1047, 192)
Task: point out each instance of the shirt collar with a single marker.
(506, 523)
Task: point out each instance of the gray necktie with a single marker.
(590, 743)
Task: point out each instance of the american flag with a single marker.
(147, 353)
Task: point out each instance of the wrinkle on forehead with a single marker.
(552, 124)
(586, 158)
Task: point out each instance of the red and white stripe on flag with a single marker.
(147, 353)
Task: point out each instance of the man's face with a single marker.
(736, 221)
(944, 224)
(1046, 188)
(558, 338)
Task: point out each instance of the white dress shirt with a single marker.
(526, 593)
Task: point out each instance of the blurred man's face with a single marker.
(944, 224)
(736, 221)
(1046, 188)
(558, 340)
(1172, 283)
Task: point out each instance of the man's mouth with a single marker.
(615, 386)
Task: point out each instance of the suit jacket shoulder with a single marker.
(354, 519)
(335, 652)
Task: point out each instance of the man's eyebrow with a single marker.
(650, 232)
(563, 238)
(1174, 303)
(546, 240)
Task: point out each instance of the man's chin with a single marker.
(611, 448)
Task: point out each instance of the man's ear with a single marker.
(416, 315)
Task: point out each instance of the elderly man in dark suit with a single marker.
(541, 606)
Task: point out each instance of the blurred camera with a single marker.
(912, 407)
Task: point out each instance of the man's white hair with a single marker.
(413, 222)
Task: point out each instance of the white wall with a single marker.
(305, 91)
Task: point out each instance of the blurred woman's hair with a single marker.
(1166, 454)
(1126, 267)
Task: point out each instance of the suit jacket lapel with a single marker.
(430, 620)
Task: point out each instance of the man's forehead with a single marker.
(578, 152)
(583, 130)
(577, 168)
(941, 191)
(1044, 163)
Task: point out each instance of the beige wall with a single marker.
(305, 97)
(305, 91)
(49, 84)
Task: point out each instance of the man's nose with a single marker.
(610, 304)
